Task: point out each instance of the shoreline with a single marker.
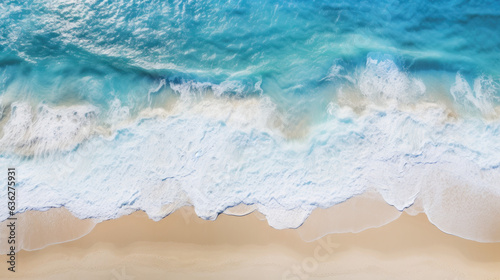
(185, 246)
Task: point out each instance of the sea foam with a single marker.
(215, 151)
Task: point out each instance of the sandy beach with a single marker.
(250, 139)
(183, 246)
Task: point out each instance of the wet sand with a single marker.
(182, 246)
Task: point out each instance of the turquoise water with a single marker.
(96, 50)
(113, 106)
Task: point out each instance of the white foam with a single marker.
(215, 152)
(117, 114)
(479, 97)
(47, 129)
(461, 199)
(382, 79)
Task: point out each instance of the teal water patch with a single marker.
(287, 45)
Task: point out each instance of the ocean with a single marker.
(109, 107)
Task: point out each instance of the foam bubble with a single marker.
(47, 129)
(382, 79)
(214, 151)
(479, 97)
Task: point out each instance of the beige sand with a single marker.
(37, 229)
(183, 246)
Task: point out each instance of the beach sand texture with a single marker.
(183, 246)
